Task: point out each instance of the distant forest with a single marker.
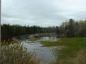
(70, 28)
(9, 31)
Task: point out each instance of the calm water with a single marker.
(46, 55)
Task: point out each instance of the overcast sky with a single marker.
(41, 12)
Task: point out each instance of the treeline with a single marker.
(73, 28)
(9, 31)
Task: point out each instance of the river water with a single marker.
(46, 55)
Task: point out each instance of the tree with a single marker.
(70, 28)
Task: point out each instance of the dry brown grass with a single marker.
(16, 54)
(80, 58)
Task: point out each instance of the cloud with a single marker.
(41, 12)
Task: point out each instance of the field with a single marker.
(74, 51)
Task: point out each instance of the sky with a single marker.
(41, 12)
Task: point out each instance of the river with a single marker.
(46, 55)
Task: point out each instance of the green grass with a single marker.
(70, 44)
(49, 43)
(72, 50)
(79, 42)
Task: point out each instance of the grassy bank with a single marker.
(14, 53)
(79, 42)
(74, 51)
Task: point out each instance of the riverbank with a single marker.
(68, 51)
(74, 51)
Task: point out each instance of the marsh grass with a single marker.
(74, 51)
(14, 53)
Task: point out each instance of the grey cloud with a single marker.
(41, 12)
